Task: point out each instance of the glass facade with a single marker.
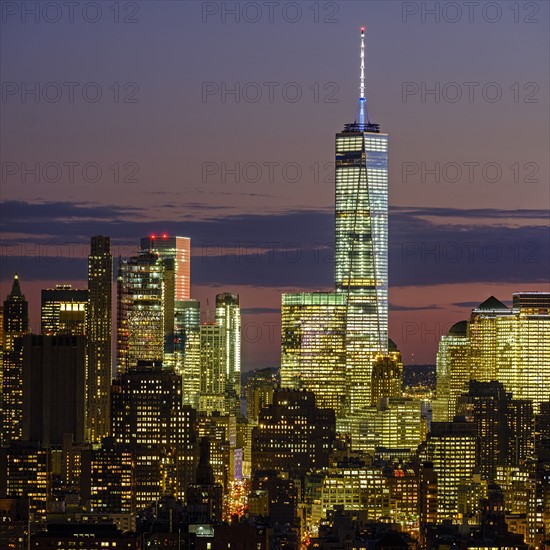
(313, 354)
(140, 330)
(361, 250)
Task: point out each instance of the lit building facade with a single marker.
(63, 310)
(188, 349)
(25, 470)
(99, 331)
(453, 448)
(140, 312)
(16, 325)
(361, 245)
(386, 377)
(313, 353)
(293, 435)
(213, 368)
(510, 345)
(453, 371)
(228, 316)
(148, 414)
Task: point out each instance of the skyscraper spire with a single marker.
(362, 98)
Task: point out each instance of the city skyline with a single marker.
(356, 354)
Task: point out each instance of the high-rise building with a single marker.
(63, 310)
(453, 371)
(187, 349)
(453, 448)
(16, 325)
(213, 368)
(140, 315)
(228, 316)
(177, 249)
(313, 353)
(387, 377)
(148, 414)
(175, 255)
(531, 376)
(293, 434)
(361, 243)
(99, 331)
(491, 336)
(107, 478)
(487, 404)
(54, 388)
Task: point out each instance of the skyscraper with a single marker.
(187, 348)
(63, 310)
(175, 255)
(99, 331)
(54, 388)
(177, 249)
(140, 310)
(16, 325)
(453, 371)
(361, 243)
(213, 368)
(228, 316)
(313, 353)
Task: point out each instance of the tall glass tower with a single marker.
(361, 244)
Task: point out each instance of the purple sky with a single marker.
(163, 124)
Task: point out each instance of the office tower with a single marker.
(140, 315)
(187, 349)
(25, 472)
(16, 325)
(471, 493)
(213, 368)
(99, 331)
(175, 255)
(54, 388)
(177, 249)
(228, 316)
(361, 244)
(491, 335)
(313, 353)
(107, 478)
(453, 371)
(293, 434)
(453, 448)
(487, 403)
(353, 488)
(386, 377)
(63, 310)
(147, 414)
(531, 377)
(520, 428)
(395, 424)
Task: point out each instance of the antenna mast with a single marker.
(362, 97)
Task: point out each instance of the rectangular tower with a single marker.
(99, 331)
(361, 244)
(63, 310)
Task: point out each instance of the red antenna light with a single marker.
(152, 236)
(164, 236)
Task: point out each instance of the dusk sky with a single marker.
(150, 106)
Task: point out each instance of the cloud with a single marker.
(290, 249)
